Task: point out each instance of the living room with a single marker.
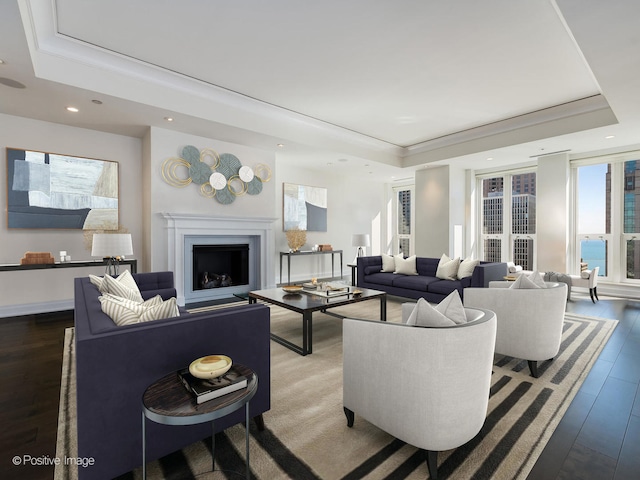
(358, 174)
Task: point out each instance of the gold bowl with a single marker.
(211, 366)
(292, 288)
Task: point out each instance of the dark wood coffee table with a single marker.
(307, 303)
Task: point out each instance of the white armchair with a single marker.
(590, 281)
(427, 386)
(529, 320)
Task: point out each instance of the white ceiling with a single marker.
(394, 85)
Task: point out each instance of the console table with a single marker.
(309, 252)
(133, 265)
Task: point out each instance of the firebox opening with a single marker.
(216, 266)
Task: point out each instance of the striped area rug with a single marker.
(307, 436)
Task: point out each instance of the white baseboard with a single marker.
(34, 308)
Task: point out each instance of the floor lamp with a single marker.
(111, 247)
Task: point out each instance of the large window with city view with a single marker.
(509, 219)
(603, 223)
(403, 231)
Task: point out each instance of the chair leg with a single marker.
(432, 463)
(533, 367)
(595, 292)
(591, 292)
(350, 416)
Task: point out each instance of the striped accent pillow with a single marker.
(122, 313)
(166, 309)
(126, 312)
(123, 286)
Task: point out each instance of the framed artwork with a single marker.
(48, 190)
(304, 207)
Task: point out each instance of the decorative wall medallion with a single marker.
(222, 177)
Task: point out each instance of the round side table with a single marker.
(168, 402)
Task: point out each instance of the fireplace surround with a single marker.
(186, 230)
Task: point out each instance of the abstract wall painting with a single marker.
(304, 208)
(48, 190)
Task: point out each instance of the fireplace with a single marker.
(220, 266)
(186, 231)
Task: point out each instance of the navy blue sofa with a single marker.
(116, 364)
(425, 284)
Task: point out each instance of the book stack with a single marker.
(37, 258)
(204, 390)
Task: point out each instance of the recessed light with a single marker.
(343, 160)
(97, 102)
(2, 62)
(489, 158)
(169, 119)
(281, 145)
(329, 163)
(72, 109)
(608, 137)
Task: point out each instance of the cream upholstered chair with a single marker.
(427, 386)
(590, 282)
(530, 320)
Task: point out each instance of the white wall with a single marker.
(162, 197)
(432, 229)
(552, 205)
(45, 289)
(354, 206)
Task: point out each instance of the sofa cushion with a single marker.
(380, 278)
(405, 266)
(413, 282)
(388, 263)
(444, 287)
(424, 315)
(447, 268)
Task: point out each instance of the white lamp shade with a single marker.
(111, 245)
(360, 240)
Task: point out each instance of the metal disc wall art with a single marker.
(222, 177)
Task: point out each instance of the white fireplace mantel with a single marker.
(180, 225)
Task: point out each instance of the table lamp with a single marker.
(360, 240)
(111, 247)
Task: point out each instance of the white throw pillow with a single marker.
(405, 266)
(424, 315)
(388, 263)
(452, 308)
(523, 282)
(447, 268)
(537, 278)
(466, 268)
(585, 274)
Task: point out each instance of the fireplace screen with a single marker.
(218, 266)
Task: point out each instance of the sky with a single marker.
(591, 199)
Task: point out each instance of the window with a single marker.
(608, 218)
(403, 241)
(509, 219)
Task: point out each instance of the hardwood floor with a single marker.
(598, 437)
(30, 369)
